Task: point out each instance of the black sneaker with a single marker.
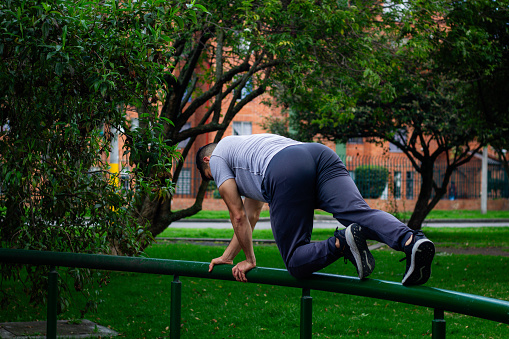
(355, 249)
(419, 255)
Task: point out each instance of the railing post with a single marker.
(306, 314)
(176, 304)
(438, 329)
(51, 317)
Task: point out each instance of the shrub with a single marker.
(68, 70)
(371, 180)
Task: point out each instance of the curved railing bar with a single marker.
(439, 299)
(463, 303)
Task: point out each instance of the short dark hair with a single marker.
(204, 151)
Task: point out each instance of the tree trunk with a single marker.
(421, 209)
(158, 212)
(427, 200)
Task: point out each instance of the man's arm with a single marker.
(253, 209)
(242, 228)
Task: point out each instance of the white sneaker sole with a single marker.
(420, 265)
(364, 260)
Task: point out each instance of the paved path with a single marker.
(467, 223)
(331, 223)
(65, 329)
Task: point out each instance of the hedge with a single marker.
(371, 180)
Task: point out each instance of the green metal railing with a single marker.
(438, 299)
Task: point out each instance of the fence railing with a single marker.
(404, 181)
(438, 299)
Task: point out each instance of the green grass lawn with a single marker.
(435, 214)
(462, 214)
(443, 236)
(137, 305)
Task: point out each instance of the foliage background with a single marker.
(68, 69)
(425, 76)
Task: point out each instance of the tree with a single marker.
(475, 49)
(234, 47)
(67, 70)
(71, 69)
(405, 97)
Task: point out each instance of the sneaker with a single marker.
(419, 255)
(357, 250)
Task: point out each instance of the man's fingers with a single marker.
(212, 264)
(239, 271)
(218, 261)
(238, 274)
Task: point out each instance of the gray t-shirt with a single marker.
(245, 159)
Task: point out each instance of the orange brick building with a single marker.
(401, 191)
(247, 121)
(403, 184)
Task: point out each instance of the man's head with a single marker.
(202, 160)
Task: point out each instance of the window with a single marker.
(244, 45)
(410, 185)
(183, 143)
(248, 88)
(135, 124)
(397, 185)
(184, 182)
(397, 9)
(242, 128)
(125, 181)
(399, 137)
(393, 148)
(357, 140)
(188, 94)
(385, 193)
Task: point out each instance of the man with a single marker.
(295, 178)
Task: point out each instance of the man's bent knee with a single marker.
(299, 273)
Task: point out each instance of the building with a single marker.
(402, 187)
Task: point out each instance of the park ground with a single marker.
(469, 260)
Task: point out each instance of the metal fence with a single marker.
(438, 299)
(402, 181)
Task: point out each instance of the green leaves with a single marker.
(380, 68)
(68, 70)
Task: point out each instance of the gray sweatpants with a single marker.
(304, 177)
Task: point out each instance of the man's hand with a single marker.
(241, 227)
(219, 261)
(240, 270)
